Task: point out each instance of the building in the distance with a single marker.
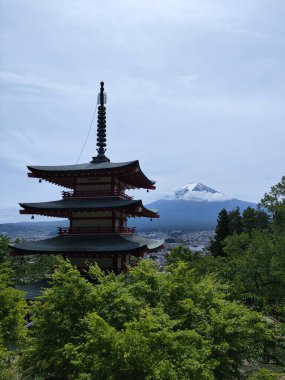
(97, 208)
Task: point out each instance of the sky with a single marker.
(195, 91)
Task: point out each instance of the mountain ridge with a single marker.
(194, 206)
(191, 207)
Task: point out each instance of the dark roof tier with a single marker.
(64, 207)
(89, 245)
(129, 172)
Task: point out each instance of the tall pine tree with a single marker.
(235, 222)
(221, 232)
(248, 220)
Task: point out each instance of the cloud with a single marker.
(30, 80)
(195, 89)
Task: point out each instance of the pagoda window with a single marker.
(92, 223)
(95, 214)
(93, 187)
(84, 180)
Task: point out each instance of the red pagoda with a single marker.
(97, 208)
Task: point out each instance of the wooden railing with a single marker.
(94, 194)
(94, 230)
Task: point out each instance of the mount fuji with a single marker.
(197, 192)
(191, 207)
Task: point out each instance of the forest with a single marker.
(218, 316)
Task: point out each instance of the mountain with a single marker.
(31, 230)
(197, 192)
(191, 207)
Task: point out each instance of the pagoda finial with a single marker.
(101, 126)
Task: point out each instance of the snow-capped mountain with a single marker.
(196, 191)
(191, 207)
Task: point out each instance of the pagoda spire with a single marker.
(101, 127)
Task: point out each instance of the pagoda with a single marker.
(97, 208)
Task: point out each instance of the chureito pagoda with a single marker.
(97, 208)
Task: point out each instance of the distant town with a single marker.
(197, 241)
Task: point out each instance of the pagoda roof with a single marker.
(99, 166)
(63, 207)
(85, 245)
(129, 172)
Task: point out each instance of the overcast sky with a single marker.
(195, 92)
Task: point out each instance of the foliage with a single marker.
(231, 223)
(12, 311)
(254, 262)
(256, 266)
(177, 254)
(265, 374)
(32, 268)
(144, 324)
(221, 232)
(4, 249)
(26, 269)
(274, 201)
(235, 222)
(198, 318)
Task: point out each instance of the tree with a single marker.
(248, 220)
(262, 219)
(255, 267)
(265, 374)
(26, 269)
(274, 201)
(145, 324)
(235, 222)
(221, 232)
(57, 323)
(32, 268)
(12, 312)
(177, 254)
(4, 251)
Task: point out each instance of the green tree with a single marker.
(177, 254)
(32, 268)
(274, 201)
(262, 219)
(26, 269)
(235, 222)
(12, 312)
(202, 305)
(4, 250)
(255, 266)
(249, 220)
(145, 324)
(265, 374)
(221, 232)
(57, 322)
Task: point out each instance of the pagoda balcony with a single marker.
(95, 194)
(94, 230)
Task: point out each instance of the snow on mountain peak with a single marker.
(195, 186)
(197, 192)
